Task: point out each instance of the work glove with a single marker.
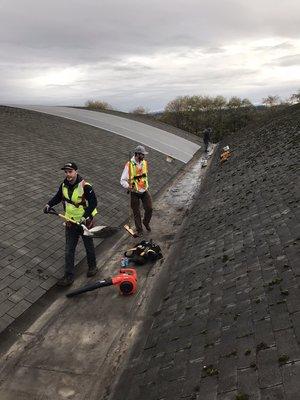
(46, 209)
(85, 221)
(130, 188)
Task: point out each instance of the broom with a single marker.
(95, 232)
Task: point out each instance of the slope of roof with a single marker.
(155, 138)
(227, 322)
(149, 120)
(33, 148)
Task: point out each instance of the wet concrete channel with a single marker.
(76, 348)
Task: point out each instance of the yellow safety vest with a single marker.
(76, 205)
(138, 175)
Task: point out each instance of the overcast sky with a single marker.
(140, 52)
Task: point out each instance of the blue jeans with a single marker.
(72, 236)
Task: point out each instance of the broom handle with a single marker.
(69, 219)
(129, 181)
(129, 172)
(53, 211)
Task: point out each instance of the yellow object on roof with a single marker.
(225, 155)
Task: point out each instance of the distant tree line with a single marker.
(195, 113)
(273, 101)
(99, 105)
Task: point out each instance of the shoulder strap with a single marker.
(129, 171)
(146, 165)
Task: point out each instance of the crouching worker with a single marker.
(225, 154)
(79, 202)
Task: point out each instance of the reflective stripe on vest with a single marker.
(139, 175)
(76, 205)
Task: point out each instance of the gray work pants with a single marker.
(135, 205)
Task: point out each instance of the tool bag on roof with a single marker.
(143, 252)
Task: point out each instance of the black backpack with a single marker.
(143, 252)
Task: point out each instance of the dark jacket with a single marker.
(206, 136)
(89, 195)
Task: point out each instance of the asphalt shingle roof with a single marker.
(33, 148)
(228, 323)
(151, 136)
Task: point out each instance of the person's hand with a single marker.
(83, 221)
(130, 190)
(130, 187)
(46, 209)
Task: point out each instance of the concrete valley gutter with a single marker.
(77, 347)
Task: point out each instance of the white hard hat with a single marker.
(140, 149)
(226, 148)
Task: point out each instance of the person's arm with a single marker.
(125, 177)
(91, 198)
(57, 198)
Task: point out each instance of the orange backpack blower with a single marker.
(126, 280)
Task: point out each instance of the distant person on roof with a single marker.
(207, 138)
(135, 179)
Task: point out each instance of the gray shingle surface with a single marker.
(154, 138)
(158, 124)
(33, 148)
(232, 302)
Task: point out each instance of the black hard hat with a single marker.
(70, 165)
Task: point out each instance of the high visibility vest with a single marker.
(225, 155)
(138, 175)
(76, 205)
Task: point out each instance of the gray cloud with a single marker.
(287, 61)
(157, 46)
(280, 46)
(78, 32)
(213, 50)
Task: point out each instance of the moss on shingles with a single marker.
(236, 316)
(225, 258)
(253, 365)
(284, 292)
(232, 353)
(210, 370)
(261, 346)
(283, 359)
(241, 396)
(275, 281)
(209, 345)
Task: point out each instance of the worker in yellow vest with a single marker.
(135, 179)
(79, 202)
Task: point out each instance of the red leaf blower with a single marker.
(126, 280)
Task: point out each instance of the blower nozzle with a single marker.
(126, 280)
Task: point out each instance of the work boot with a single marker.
(147, 226)
(139, 233)
(92, 272)
(66, 280)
